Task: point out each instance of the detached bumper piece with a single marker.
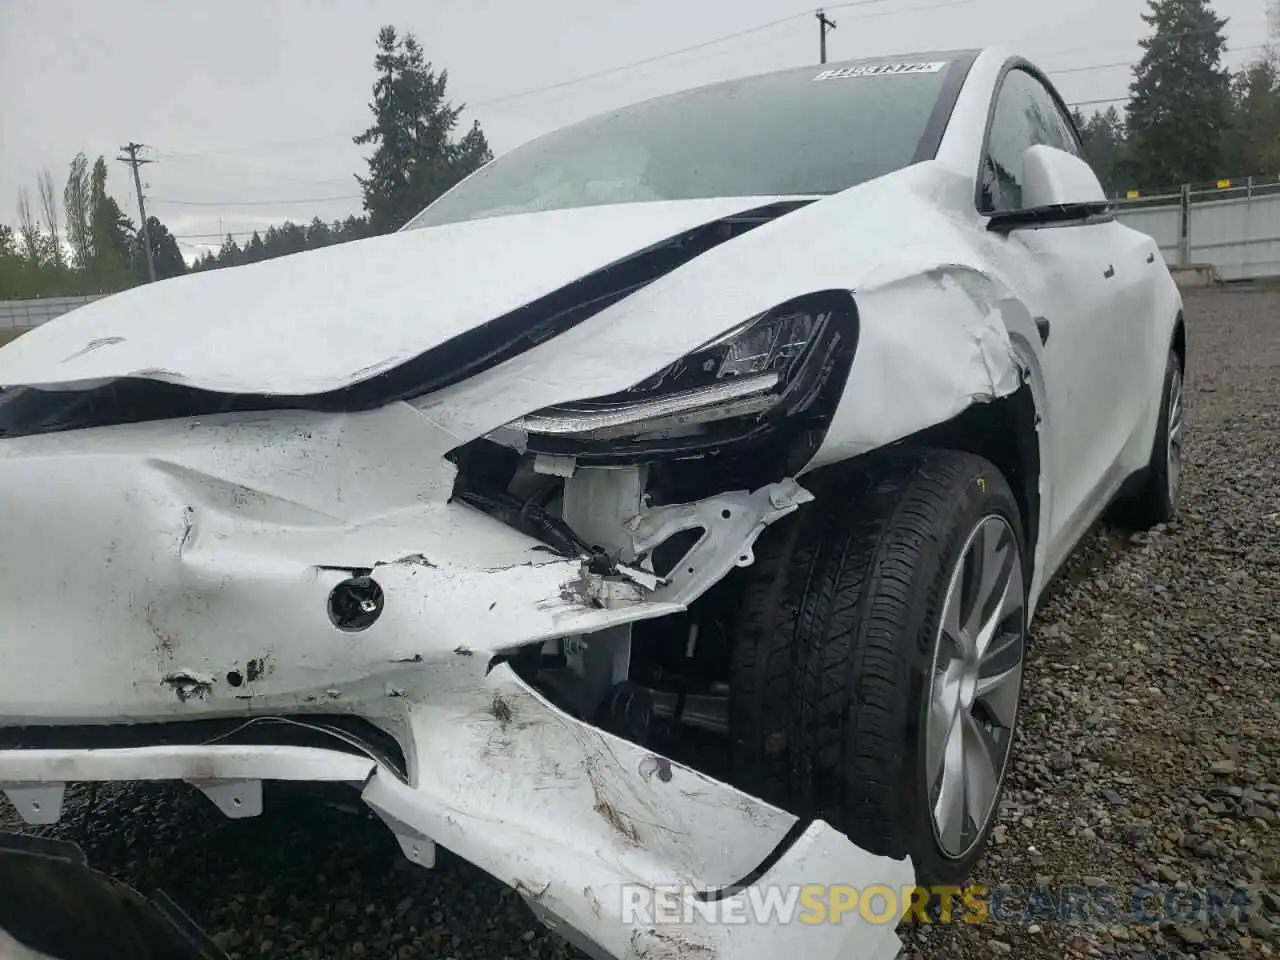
(584, 825)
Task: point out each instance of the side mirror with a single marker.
(1055, 178)
(1058, 188)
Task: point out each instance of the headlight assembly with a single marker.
(771, 367)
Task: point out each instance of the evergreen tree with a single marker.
(1104, 146)
(164, 252)
(318, 234)
(255, 249)
(1179, 113)
(112, 235)
(279, 241)
(415, 158)
(229, 255)
(1254, 143)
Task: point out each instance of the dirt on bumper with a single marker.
(589, 828)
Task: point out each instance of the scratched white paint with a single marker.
(214, 555)
(595, 814)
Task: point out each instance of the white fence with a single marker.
(1235, 229)
(25, 314)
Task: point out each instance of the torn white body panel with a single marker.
(220, 555)
(619, 822)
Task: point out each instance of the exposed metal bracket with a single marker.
(416, 847)
(237, 799)
(38, 805)
(730, 523)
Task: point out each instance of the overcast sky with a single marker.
(250, 105)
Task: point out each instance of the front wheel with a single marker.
(877, 663)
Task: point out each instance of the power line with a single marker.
(215, 236)
(631, 65)
(1090, 103)
(305, 200)
(1125, 97)
(608, 71)
(1130, 63)
(656, 58)
(248, 170)
(1084, 68)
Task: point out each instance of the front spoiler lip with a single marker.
(569, 816)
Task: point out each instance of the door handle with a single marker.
(1110, 271)
(1042, 324)
(1151, 258)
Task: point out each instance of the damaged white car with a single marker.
(664, 505)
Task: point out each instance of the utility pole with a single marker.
(824, 24)
(134, 161)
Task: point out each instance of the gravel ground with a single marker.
(1149, 754)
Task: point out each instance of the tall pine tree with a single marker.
(1180, 110)
(415, 158)
(1104, 145)
(1255, 139)
(112, 233)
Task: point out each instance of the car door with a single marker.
(1083, 282)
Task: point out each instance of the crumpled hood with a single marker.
(934, 313)
(324, 319)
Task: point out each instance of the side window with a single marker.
(1026, 114)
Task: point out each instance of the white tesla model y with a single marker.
(665, 504)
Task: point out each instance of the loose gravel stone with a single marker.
(1148, 756)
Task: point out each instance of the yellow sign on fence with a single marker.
(1131, 195)
(1223, 184)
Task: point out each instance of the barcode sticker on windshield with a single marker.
(879, 70)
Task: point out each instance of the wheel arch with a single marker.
(1004, 432)
(1179, 340)
(1007, 432)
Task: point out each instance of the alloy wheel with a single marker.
(975, 686)
(1173, 452)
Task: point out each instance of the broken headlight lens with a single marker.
(768, 344)
(745, 373)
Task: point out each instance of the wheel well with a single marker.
(1003, 431)
(1180, 341)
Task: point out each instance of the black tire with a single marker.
(1155, 499)
(835, 642)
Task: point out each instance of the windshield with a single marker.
(814, 131)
